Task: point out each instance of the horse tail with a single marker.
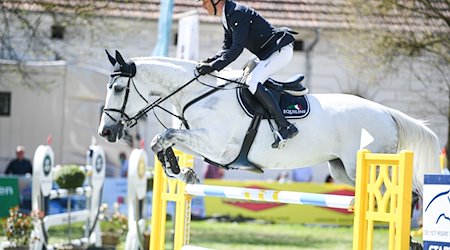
(414, 135)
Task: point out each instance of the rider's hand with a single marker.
(207, 60)
(204, 68)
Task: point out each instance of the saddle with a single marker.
(293, 106)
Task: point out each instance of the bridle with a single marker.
(124, 118)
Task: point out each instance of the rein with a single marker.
(130, 122)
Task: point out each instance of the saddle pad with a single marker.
(293, 107)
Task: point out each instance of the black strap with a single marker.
(133, 120)
(242, 160)
(212, 91)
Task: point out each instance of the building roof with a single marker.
(324, 14)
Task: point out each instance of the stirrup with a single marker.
(283, 134)
(279, 142)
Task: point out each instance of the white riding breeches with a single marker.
(266, 68)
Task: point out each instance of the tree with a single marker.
(23, 38)
(389, 33)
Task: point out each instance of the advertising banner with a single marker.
(9, 194)
(279, 212)
(436, 212)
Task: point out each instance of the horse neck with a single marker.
(163, 76)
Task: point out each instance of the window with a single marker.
(58, 31)
(175, 39)
(299, 45)
(5, 103)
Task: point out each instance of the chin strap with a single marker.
(215, 7)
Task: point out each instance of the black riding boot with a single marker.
(286, 130)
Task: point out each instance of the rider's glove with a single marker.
(204, 69)
(208, 60)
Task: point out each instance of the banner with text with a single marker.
(9, 194)
(436, 212)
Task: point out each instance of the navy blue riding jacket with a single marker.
(248, 29)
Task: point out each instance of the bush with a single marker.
(113, 222)
(70, 177)
(18, 226)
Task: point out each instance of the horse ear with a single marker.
(111, 59)
(119, 58)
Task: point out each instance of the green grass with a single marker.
(221, 235)
(254, 236)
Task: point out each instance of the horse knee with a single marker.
(156, 144)
(169, 134)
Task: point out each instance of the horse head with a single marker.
(123, 99)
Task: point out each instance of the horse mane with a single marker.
(165, 60)
(227, 73)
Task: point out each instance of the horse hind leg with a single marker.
(339, 172)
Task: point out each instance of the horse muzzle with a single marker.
(112, 133)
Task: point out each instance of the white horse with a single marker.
(218, 124)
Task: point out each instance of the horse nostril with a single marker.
(106, 132)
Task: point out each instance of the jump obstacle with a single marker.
(42, 182)
(137, 190)
(382, 194)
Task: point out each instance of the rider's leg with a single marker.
(286, 129)
(258, 76)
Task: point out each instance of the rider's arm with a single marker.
(234, 43)
(227, 41)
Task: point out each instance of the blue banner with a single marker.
(164, 28)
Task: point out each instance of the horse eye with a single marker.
(118, 88)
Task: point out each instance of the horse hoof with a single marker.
(189, 176)
(156, 144)
(416, 246)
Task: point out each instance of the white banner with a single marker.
(188, 36)
(436, 212)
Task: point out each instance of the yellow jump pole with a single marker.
(159, 209)
(164, 190)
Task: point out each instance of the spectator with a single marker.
(20, 165)
(123, 164)
(213, 172)
(302, 174)
(283, 177)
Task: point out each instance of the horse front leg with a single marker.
(162, 146)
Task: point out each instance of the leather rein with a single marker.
(130, 122)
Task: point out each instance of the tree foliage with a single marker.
(22, 35)
(388, 34)
(27, 33)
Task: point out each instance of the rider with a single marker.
(245, 28)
